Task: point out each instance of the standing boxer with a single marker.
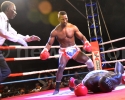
(101, 80)
(8, 11)
(65, 34)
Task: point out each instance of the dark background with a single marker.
(113, 12)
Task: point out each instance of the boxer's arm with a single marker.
(50, 41)
(45, 52)
(79, 35)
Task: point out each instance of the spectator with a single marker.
(50, 85)
(21, 91)
(37, 88)
(65, 81)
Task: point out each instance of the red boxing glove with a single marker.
(87, 46)
(80, 90)
(44, 54)
(71, 82)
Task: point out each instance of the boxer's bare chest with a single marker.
(65, 33)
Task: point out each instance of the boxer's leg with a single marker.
(62, 63)
(119, 68)
(116, 79)
(82, 58)
(90, 64)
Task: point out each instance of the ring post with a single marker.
(96, 55)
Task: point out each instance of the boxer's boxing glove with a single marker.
(87, 46)
(71, 82)
(80, 90)
(44, 54)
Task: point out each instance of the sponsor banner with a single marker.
(96, 55)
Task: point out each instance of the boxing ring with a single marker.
(48, 94)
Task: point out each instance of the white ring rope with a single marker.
(115, 40)
(117, 49)
(29, 47)
(121, 60)
(56, 56)
(67, 68)
(32, 58)
(43, 71)
(28, 58)
(37, 47)
(53, 70)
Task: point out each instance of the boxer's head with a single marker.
(62, 17)
(106, 84)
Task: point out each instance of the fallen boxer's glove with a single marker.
(72, 84)
(80, 90)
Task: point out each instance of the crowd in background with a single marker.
(47, 82)
(15, 89)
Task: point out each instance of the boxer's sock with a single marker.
(89, 64)
(57, 88)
